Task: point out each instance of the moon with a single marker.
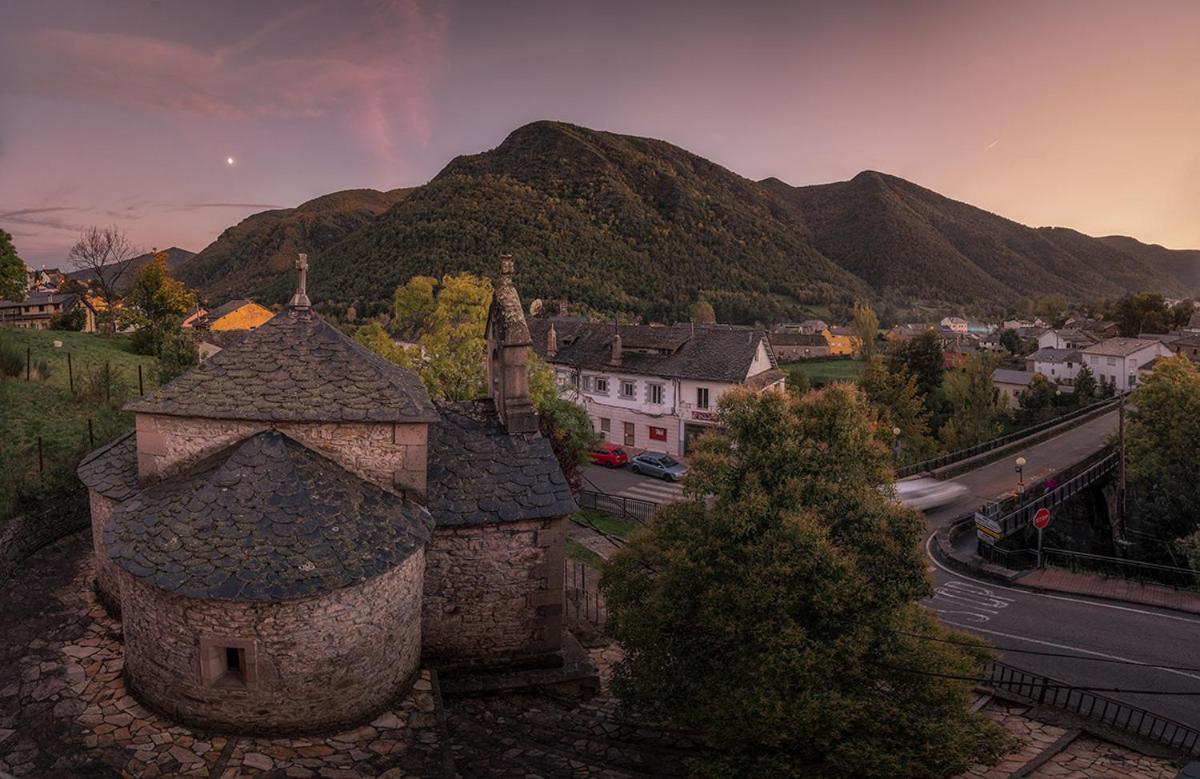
(230, 161)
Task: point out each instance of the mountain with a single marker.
(637, 225)
(176, 258)
(1183, 264)
(252, 259)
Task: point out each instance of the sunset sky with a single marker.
(1083, 114)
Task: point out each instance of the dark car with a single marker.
(664, 466)
(609, 455)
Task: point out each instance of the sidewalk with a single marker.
(1058, 580)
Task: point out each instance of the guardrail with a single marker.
(1089, 705)
(617, 505)
(1116, 567)
(1021, 517)
(1004, 440)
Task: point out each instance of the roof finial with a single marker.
(300, 299)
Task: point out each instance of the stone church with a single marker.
(294, 528)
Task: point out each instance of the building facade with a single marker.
(1118, 360)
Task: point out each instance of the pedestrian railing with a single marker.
(1020, 517)
(1083, 562)
(1092, 706)
(1004, 440)
(617, 505)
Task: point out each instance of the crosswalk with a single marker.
(653, 491)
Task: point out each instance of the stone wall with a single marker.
(392, 456)
(24, 534)
(319, 663)
(106, 572)
(493, 593)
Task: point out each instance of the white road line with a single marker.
(1031, 593)
(660, 493)
(1106, 656)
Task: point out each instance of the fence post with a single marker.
(108, 380)
(141, 389)
(91, 435)
(28, 361)
(41, 461)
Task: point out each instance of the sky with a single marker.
(175, 120)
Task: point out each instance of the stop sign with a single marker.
(1041, 518)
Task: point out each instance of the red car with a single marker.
(609, 455)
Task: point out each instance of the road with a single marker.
(1132, 647)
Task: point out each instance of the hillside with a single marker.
(252, 258)
(1183, 264)
(636, 225)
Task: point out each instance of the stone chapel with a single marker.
(294, 528)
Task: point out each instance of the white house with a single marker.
(1058, 365)
(1117, 360)
(1011, 384)
(653, 387)
(955, 324)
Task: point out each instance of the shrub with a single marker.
(12, 361)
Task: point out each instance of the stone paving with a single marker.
(64, 709)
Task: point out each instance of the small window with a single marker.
(656, 393)
(702, 397)
(1112, 360)
(605, 425)
(227, 663)
(601, 385)
(628, 389)
(587, 383)
(658, 434)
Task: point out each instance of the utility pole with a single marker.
(1121, 517)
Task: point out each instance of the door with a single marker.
(628, 433)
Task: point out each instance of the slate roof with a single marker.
(480, 473)
(798, 339)
(297, 368)
(265, 520)
(225, 308)
(1119, 347)
(712, 353)
(1051, 354)
(112, 469)
(1007, 376)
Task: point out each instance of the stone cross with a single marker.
(300, 299)
(506, 266)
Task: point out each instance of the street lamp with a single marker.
(896, 443)
(1020, 475)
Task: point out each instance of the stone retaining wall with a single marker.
(310, 664)
(106, 573)
(24, 534)
(493, 594)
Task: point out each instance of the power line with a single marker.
(1044, 683)
(1055, 654)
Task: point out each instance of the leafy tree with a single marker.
(413, 305)
(12, 270)
(866, 329)
(702, 312)
(898, 404)
(781, 614)
(1011, 341)
(977, 409)
(1162, 428)
(1144, 312)
(72, 319)
(156, 305)
(1085, 385)
(921, 357)
(177, 353)
(1037, 401)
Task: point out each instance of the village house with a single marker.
(234, 315)
(38, 309)
(1193, 325)
(1011, 384)
(294, 528)
(907, 332)
(842, 341)
(1118, 360)
(1188, 346)
(654, 387)
(955, 324)
(1066, 338)
(792, 346)
(1058, 365)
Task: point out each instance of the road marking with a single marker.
(655, 492)
(980, 600)
(1081, 650)
(1031, 593)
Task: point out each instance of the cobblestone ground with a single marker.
(64, 710)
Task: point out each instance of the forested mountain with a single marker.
(636, 225)
(252, 258)
(1183, 264)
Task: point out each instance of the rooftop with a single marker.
(1050, 354)
(225, 308)
(1119, 347)
(265, 520)
(296, 367)
(112, 470)
(1006, 376)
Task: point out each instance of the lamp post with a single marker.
(896, 444)
(1020, 475)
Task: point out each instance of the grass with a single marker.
(580, 553)
(620, 528)
(819, 372)
(46, 407)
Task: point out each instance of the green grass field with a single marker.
(825, 371)
(45, 406)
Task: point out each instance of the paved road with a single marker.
(622, 481)
(1017, 619)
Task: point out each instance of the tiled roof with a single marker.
(1050, 354)
(479, 473)
(226, 308)
(797, 339)
(112, 470)
(766, 378)
(265, 520)
(296, 367)
(1006, 376)
(1119, 347)
(712, 353)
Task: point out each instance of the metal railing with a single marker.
(1092, 706)
(1083, 562)
(1021, 516)
(617, 505)
(995, 443)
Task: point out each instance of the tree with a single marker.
(977, 410)
(1144, 312)
(1163, 425)
(74, 318)
(1085, 385)
(1011, 341)
(780, 614)
(177, 353)
(1037, 401)
(866, 329)
(12, 270)
(898, 404)
(156, 304)
(923, 358)
(702, 313)
(103, 251)
(413, 305)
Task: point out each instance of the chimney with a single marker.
(616, 350)
(551, 341)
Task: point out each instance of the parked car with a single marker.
(664, 466)
(926, 493)
(610, 455)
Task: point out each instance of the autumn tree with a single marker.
(413, 306)
(866, 329)
(12, 270)
(898, 404)
(103, 252)
(977, 410)
(1036, 402)
(780, 614)
(702, 313)
(156, 304)
(922, 357)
